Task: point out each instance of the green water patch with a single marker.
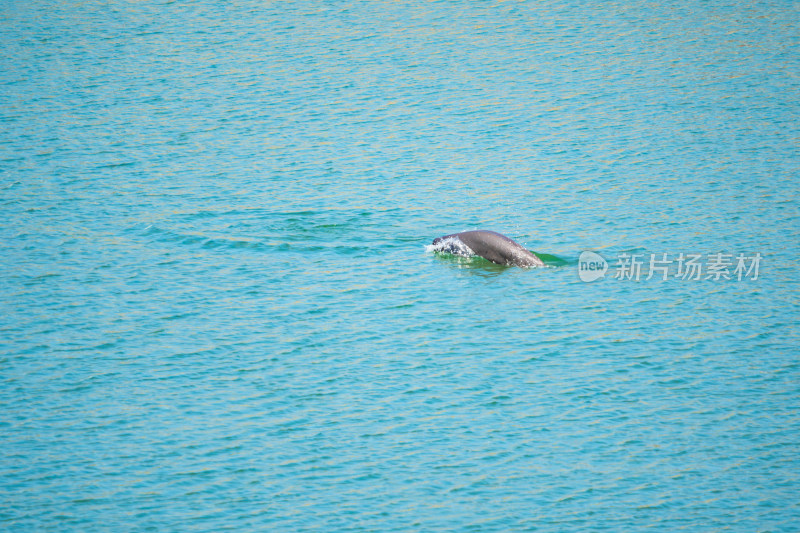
(479, 262)
(470, 262)
(551, 260)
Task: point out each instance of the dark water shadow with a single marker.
(484, 267)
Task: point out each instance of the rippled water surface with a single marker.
(217, 310)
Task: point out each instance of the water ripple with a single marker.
(217, 311)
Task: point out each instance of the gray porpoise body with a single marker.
(495, 247)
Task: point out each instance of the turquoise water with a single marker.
(218, 312)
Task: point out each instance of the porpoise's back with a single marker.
(495, 247)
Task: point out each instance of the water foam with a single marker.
(451, 245)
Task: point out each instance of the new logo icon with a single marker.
(591, 266)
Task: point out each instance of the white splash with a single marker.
(451, 245)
